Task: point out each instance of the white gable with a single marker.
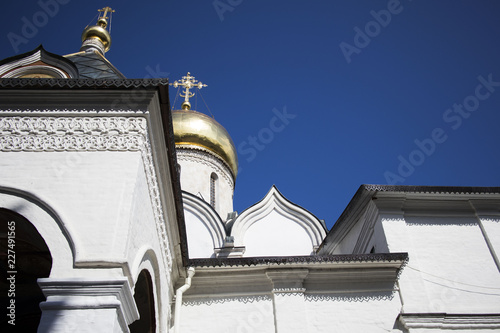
(276, 227)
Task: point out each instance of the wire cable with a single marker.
(442, 278)
(206, 104)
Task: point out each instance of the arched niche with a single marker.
(24, 257)
(144, 300)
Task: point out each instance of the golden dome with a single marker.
(198, 129)
(99, 32)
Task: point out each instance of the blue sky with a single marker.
(318, 96)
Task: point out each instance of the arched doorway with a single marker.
(24, 257)
(144, 300)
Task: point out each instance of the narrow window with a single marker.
(213, 189)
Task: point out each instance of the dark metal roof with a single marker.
(93, 65)
(337, 258)
(432, 189)
(38, 83)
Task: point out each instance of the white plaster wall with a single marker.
(71, 321)
(201, 243)
(228, 315)
(450, 269)
(351, 312)
(143, 249)
(104, 204)
(90, 191)
(276, 235)
(346, 245)
(195, 179)
(491, 226)
(347, 313)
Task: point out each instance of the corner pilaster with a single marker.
(86, 305)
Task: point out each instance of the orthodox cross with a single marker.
(105, 10)
(102, 21)
(188, 82)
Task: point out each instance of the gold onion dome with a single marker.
(197, 129)
(96, 31)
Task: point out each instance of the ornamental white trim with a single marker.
(205, 157)
(52, 66)
(49, 134)
(275, 201)
(207, 218)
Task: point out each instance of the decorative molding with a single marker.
(71, 125)
(207, 217)
(355, 297)
(431, 189)
(76, 293)
(32, 111)
(289, 290)
(49, 134)
(24, 64)
(188, 301)
(81, 83)
(450, 321)
(398, 258)
(275, 201)
(36, 69)
(72, 134)
(65, 143)
(204, 156)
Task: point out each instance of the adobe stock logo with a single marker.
(29, 28)
(250, 147)
(453, 117)
(372, 29)
(222, 6)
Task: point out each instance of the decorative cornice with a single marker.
(450, 321)
(339, 259)
(289, 291)
(38, 83)
(432, 189)
(350, 297)
(70, 134)
(205, 157)
(189, 300)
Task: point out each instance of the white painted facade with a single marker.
(93, 180)
(197, 166)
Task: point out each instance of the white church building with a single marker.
(116, 215)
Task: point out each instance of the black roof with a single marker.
(93, 65)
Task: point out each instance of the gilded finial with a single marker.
(188, 82)
(97, 37)
(103, 18)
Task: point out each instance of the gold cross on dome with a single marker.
(188, 82)
(105, 10)
(103, 18)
